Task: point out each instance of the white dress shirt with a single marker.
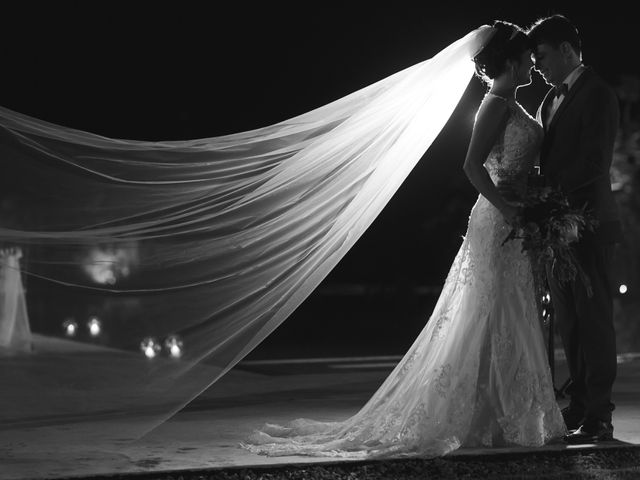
(569, 80)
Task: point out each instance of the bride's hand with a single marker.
(511, 212)
(506, 189)
(512, 192)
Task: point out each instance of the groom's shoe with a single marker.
(573, 418)
(591, 431)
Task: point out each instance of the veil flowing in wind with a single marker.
(152, 268)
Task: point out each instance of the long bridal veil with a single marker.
(152, 268)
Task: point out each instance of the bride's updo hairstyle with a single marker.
(508, 42)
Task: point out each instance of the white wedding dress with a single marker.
(478, 374)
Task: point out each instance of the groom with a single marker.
(580, 117)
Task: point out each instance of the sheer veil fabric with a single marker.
(207, 244)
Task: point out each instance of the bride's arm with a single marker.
(490, 123)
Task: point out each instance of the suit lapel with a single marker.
(569, 97)
(544, 109)
(543, 118)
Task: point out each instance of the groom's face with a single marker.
(549, 63)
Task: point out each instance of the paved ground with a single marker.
(206, 433)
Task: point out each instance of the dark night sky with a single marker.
(191, 69)
(159, 72)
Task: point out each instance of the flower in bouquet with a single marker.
(548, 226)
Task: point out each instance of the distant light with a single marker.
(100, 267)
(623, 289)
(174, 345)
(546, 298)
(94, 326)
(150, 347)
(70, 327)
(544, 312)
(108, 264)
(150, 352)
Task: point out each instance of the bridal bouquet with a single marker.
(548, 226)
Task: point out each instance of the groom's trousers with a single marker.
(585, 324)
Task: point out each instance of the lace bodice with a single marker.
(516, 151)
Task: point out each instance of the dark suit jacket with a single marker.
(577, 149)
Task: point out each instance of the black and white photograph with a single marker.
(351, 240)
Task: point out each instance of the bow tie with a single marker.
(561, 90)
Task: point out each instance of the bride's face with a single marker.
(524, 69)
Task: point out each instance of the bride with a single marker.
(477, 375)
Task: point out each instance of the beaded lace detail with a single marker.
(477, 375)
(514, 154)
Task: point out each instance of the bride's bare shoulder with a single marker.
(493, 108)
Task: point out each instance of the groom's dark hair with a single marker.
(554, 30)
